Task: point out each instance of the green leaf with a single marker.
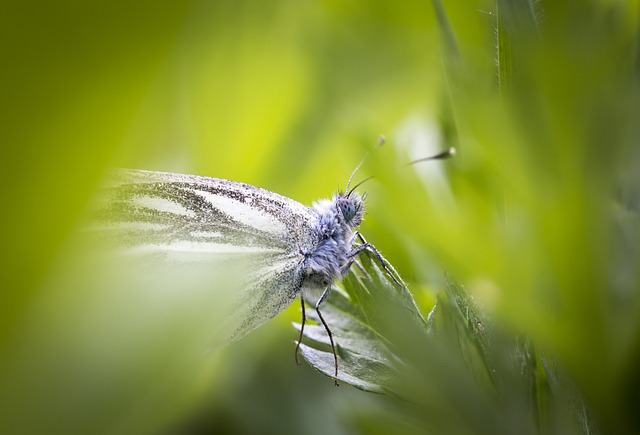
(358, 316)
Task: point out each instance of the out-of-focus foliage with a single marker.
(458, 356)
(543, 220)
(537, 215)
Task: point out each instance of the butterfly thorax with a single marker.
(337, 218)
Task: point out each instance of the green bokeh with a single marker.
(537, 215)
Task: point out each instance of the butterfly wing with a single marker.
(192, 223)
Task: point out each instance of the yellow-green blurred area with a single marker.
(537, 215)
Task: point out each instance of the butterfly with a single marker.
(288, 250)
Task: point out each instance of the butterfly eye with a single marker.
(348, 209)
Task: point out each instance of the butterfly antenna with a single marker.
(440, 156)
(358, 185)
(381, 140)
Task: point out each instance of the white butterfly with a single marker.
(287, 249)
(290, 249)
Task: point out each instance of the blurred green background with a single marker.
(537, 215)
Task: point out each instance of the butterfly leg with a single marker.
(326, 327)
(351, 262)
(369, 247)
(304, 320)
